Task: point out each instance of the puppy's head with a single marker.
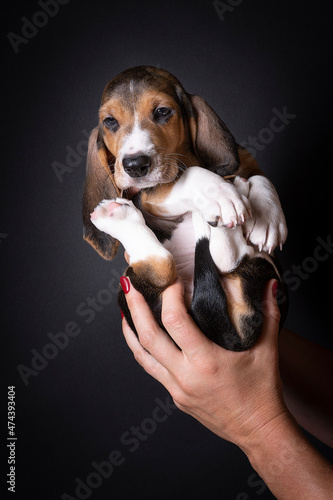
(149, 131)
(141, 123)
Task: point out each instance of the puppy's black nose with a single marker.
(136, 166)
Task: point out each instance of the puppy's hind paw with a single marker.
(110, 215)
(104, 209)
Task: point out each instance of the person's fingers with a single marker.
(146, 360)
(151, 336)
(179, 323)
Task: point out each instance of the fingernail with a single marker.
(275, 288)
(122, 314)
(125, 284)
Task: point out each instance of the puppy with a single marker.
(166, 178)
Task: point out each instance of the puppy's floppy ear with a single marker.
(99, 185)
(213, 143)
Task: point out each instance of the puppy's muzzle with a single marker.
(136, 166)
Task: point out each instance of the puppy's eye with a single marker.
(163, 114)
(110, 122)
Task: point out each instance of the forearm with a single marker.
(306, 371)
(290, 466)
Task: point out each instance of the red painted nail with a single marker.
(122, 314)
(275, 288)
(125, 284)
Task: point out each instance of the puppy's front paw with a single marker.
(225, 204)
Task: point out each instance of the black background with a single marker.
(262, 56)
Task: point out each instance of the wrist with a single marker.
(271, 439)
(266, 426)
(287, 462)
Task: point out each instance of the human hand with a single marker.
(237, 395)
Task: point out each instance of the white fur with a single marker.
(216, 199)
(254, 204)
(267, 228)
(200, 226)
(138, 141)
(127, 225)
(182, 246)
(209, 198)
(227, 246)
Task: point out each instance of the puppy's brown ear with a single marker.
(213, 143)
(99, 185)
(248, 165)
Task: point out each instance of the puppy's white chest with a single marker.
(182, 247)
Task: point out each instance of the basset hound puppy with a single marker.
(166, 178)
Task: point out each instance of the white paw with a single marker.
(122, 220)
(222, 203)
(266, 231)
(109, 216)
(267, 228)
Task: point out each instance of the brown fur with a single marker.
(157, 271)
(248, 165)
(237, 305)
(99, 185)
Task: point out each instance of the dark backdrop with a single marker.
(80, 396)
